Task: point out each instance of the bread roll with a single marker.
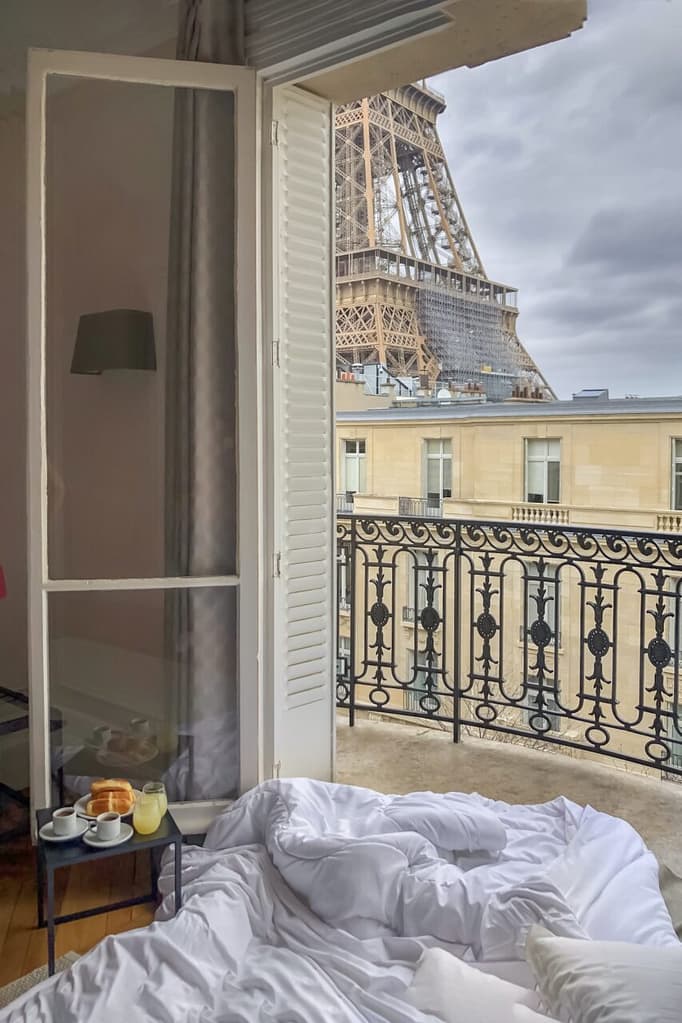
(111, 785)
(118, 802)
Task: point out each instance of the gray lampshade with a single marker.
(114, 339)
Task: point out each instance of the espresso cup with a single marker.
(108, 825)
(65, 821)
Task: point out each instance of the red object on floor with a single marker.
(3, 587)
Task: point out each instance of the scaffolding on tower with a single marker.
(412, 293)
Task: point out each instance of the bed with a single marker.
(311, 901)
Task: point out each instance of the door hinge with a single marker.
(275, 352)
(274, 133)
(276, 768)
(277, 565)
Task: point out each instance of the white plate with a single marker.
(82, 806)
(47, 832)
(91, 838)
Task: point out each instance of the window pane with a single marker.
(362, 474)
(536, 448)
(433, 447)
(433, 477)
(352, 481)
(145, 683)
(678, 490)
(447, 477)
(535, 473)
(129, 494)
(361, 447)
(554, 449)
(553, 482)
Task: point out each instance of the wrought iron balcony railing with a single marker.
(561, 634)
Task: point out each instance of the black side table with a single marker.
(53, 855)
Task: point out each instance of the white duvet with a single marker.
(314, 902)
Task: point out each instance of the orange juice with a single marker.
(146, 815)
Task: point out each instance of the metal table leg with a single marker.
(40, 877)
(50, 922)
(178, 880)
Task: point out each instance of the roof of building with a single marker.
(516, 410)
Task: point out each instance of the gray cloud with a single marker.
(566, 159)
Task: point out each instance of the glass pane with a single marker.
(536, 448)
(678, 490)
(535, 473)
(352, 474)
(140, 346)
(145, 685)
(433, 477)
(553, 482)
(554, 449)
(447, 477)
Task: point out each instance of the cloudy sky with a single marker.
(568, 162)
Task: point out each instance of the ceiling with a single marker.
(106, 26)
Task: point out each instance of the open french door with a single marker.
(143, 425)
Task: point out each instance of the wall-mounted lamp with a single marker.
(114, 339)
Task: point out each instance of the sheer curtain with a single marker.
(201, 419)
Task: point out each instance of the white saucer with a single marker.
(81, 806)
(47, 832)
(97, 843)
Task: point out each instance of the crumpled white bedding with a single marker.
(361, 884)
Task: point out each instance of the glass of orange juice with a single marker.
(147, 814)
(158, 790)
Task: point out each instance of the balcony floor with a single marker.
(396, 757)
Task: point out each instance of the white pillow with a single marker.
(585, 981)
(455, 992)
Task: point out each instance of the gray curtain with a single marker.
(201, 419)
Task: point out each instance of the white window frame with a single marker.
(675, 470)
(359, 457)
(552, 710)
(552, 586)
(416, 596)
(443, 455)
(544, 459)
(343, 653)
(242, 82)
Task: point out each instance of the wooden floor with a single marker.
(23, 947)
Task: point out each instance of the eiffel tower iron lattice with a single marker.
(411, 290)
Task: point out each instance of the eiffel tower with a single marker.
(411, 290)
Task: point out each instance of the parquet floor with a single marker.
(23, 946)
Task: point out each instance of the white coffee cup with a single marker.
(140, 728)
(65, 821)
(108, 825)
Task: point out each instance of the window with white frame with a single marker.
(343, 587)
(343, 657)
(354, 466)
(417, 659)
(422, 572)
(677, 474)
(550, 707)
(542, 590)
(438, 469)
(543, 471)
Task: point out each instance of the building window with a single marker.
(423, 570)
(354, 467)
(343, 589)
(343, 657)
(550, 708)
(417, 659)
(543, 461)
(677, 473)
(542, 591)
(438, 472)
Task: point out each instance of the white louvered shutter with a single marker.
(303, 737)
